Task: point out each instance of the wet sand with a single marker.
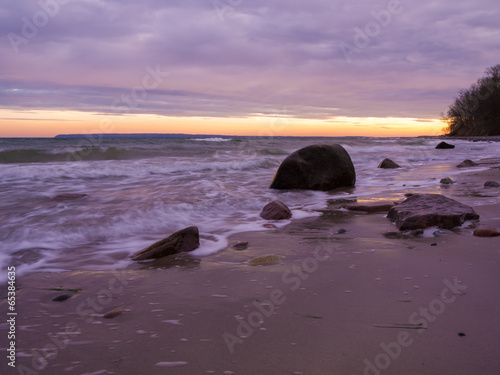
(349, 303)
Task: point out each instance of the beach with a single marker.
(349, 301)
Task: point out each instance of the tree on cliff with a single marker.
(476, 111)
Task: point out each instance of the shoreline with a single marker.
(344, 303)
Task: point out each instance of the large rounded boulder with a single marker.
(316, 167)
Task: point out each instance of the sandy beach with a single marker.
(337, 303)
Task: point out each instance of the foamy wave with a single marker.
(214, 139)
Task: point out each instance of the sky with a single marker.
(239, 67)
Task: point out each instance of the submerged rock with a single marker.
(466, 163)
(444, 145)
(185, 240)
(388, 164)
(265, 260)
(276, 210)
(492, 184)
(315, 167)
(427, 210)
(486, 232)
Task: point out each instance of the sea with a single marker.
(139, 190)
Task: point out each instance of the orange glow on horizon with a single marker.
(50, 123)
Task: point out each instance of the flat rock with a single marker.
(491, 184)
(427, 210)
(444, 145)
(276, 210)
(388, 164)
(316, 167)
(466, 163)
(486, 232)
(185, 240)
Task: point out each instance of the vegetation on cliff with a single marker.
(476, 110)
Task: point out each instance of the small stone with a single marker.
(446, 181)
(461, 334)
(61, 298)
(341, 231)
(444, 145)
(240, 245)
(265, 260)
(185, 240)
(276, 210)
(491, 184)
(388, 164)
(113, 313)
(434, 244)
(466, 164)
(486, 232)
(269, 226)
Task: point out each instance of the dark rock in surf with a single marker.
(315, 167)
(388, 164)
(446, 181)
(276, 210)
(185, 240)
(466, 164)
(444, 145)
(491, 184)
(427, 210)
(68, 196)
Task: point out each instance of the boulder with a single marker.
(275, 210)
(444, 145)
(491, 184)
(388, 164)
(486, 232)
(185, 240)
(466, 163)
(427, 210)
(316, 167)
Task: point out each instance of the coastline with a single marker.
(348, 303)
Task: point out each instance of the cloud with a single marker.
(245, 57)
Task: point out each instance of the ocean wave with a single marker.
(84, 154)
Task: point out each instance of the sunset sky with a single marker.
(239, 67)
